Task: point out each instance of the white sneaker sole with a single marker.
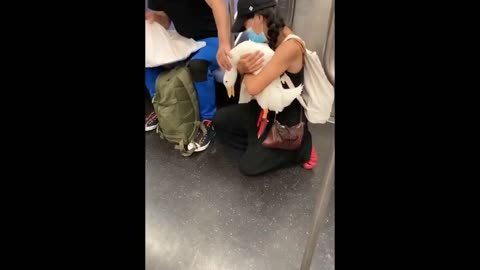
(198, 149)
(150, 128)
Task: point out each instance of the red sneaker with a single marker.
(313, 160)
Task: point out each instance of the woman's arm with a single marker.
(285, 54)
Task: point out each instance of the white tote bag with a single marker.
(165, 47)
(318, 93)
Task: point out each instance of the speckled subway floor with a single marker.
(201, 213)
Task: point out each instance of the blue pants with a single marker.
(205, 88)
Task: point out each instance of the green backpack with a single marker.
(175, 103)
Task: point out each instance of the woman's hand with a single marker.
(250, 62)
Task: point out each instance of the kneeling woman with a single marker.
(237, 125)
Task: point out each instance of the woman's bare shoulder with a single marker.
(292, 51)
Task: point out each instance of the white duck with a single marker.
(274, 97)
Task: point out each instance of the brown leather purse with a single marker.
(283, 137)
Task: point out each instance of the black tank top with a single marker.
(291, 114)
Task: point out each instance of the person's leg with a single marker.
(201, 67)
(231, 125)
(148, 103)
(258, 159)
(151, 74)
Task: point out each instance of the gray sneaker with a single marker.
(204, 136)
(151, 122)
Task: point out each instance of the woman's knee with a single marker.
(220, 118)
(251, 164)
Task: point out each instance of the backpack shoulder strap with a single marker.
(299, 41)
(295, 37)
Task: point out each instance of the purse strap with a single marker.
(301, 115)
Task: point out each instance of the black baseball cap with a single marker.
(245, 8)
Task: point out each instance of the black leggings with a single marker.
(235, 126)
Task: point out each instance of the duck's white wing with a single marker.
(270, 98)
(251, 47)
(288, 95)
(276, 98)
(263, 99)
(244, 96)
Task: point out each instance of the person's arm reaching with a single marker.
(221, 20)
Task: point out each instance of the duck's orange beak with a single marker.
(230, 92)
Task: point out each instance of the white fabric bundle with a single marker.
(165, 47)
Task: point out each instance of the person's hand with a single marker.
(149, 16)
(223, 55)
(250, 62)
